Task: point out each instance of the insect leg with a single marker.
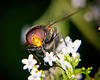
(32, 49)
(54, 39)
(62, 38)
(57, 34)
(43, 49)
(37, 59)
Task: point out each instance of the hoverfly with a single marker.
(44, 37)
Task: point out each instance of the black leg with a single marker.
(37, 59)
(54, 39)
(55, 32)
(62, 38)
(43, 50)
(56, 35)
(32, 49)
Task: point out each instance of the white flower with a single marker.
(73, 75)
(76, 45)
(33, 71)
(67, 64)
(29, 63)
(68, 39)
(74, 55)
(62, 45)
(71, 47)
(35, 76)
(78, 3)
(66, 50)
(49, 57)
(61, 56)
(79, 76)
(62, 62)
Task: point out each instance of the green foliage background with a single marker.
(16, 14)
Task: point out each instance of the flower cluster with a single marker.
(30, 64)
(66, 58)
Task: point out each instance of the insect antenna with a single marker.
(63, 18)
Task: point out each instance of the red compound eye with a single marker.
(39, 32)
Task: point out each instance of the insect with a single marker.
(44, 37)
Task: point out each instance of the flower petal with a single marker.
(50, 63)
(67, 64)
(76, 45)
(33, 61)
(39, 73)
(47, 53)
(51, 54)
(25, 67)
(25, 61)
(63, 65)
(30, 57)
(67, 39)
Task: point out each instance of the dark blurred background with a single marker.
(16, 14)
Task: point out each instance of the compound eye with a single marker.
(34, 35)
